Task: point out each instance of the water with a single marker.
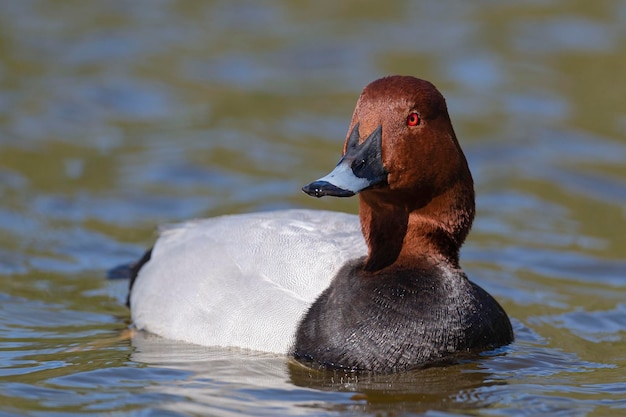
(117, 116)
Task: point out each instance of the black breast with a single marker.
(396, 319)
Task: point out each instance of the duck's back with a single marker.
(242, 280)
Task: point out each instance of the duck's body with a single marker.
(244, 280)
(309, 284)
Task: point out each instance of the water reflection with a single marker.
(268, 380)
(435, 388)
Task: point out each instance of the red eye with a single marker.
(413, 119)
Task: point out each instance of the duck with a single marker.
(381, 292)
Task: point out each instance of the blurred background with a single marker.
(118, 116)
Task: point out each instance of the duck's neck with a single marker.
(397, 234)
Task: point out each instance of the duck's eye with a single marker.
(413, 119)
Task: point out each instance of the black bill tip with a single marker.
(324, 188)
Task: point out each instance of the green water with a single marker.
(117, 116)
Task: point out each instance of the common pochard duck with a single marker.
(383, 292)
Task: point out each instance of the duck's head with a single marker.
(400, 139)
(401, 153)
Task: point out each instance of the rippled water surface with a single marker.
(117, 116)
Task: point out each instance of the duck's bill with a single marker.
(360, 168)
